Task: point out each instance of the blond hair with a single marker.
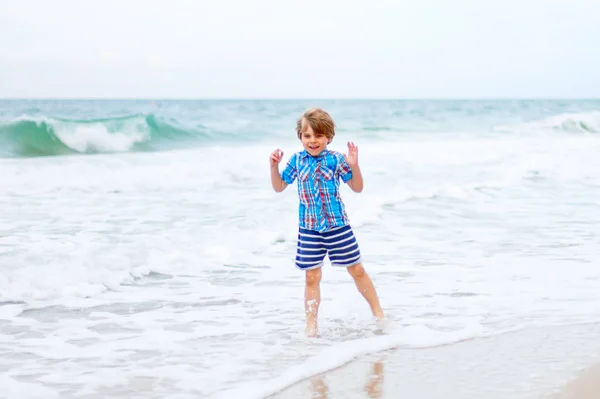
(320, 122)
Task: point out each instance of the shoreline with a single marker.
(585, 385)
(558, 362)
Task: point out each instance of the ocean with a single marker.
(143, 252)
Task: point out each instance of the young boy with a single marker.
(324, 227)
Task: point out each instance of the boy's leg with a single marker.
(365, 286)
(309, 257)
(343, 251)
(312, 300)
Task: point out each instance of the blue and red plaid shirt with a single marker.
(321, 207)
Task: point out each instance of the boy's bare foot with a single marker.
(383, 322)
(311, 328)
(312, 333)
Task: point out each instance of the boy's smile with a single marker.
(313, 143)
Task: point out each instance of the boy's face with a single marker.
(312, 142)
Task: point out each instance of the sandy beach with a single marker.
(537, 363)
(586, 385)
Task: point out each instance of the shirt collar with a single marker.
(322, 154)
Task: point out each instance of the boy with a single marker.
(324, 227)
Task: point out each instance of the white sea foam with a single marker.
(580, 122)
(97, 138)
(338, 354)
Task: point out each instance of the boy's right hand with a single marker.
(276, 157)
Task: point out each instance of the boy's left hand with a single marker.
(352, 156)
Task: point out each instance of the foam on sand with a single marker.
(336, 355)
(526, 364)
(586, 385)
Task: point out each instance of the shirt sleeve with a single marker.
(290, 172)
(345, 170)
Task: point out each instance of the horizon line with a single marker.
(482, 98)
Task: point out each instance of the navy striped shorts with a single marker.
(338, 243)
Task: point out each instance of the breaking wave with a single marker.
(588, 122)
(43, 136)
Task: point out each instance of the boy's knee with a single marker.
(357, 271)
(313, 276)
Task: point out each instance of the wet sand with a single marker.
(537, 363)
(586, 385)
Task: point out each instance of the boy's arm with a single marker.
(356, 182)
(280, 181)
(276, 181)
(351, 173)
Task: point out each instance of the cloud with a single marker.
(325, 48)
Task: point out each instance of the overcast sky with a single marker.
(298, 49)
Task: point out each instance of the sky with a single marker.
(299, 49)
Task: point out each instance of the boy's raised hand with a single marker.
(352, 155)
(276, 157)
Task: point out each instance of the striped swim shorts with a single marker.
(338, 243)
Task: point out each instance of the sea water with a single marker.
(143, 252)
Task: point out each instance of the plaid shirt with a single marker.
(321, 207)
